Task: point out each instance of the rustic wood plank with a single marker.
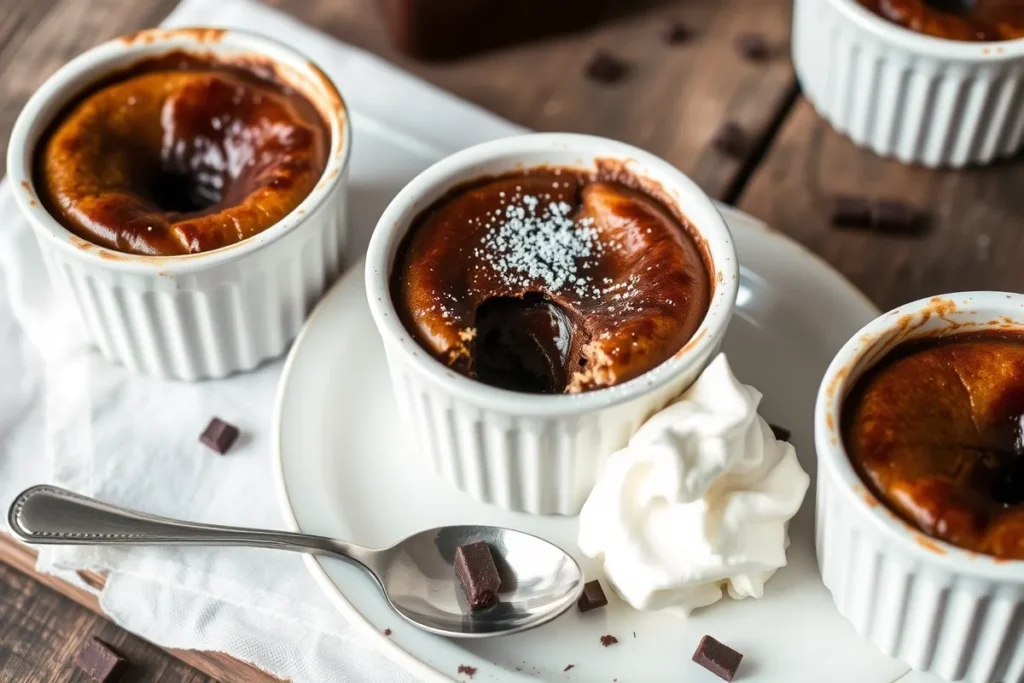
(22, 558)
(672, 104)
(40, 632)
(974, 240)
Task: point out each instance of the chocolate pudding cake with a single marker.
(551, 280)
(937, 430)
(966, 20)
(181, 154)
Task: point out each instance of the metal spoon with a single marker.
(539, 581)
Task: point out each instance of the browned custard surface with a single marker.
(550, 281)
(968, 20)
(937, 429)
(181, 154)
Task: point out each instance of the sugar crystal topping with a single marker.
(535, 240)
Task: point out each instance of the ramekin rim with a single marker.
(708, 334)
(834, 462)
(942, 48)
(149, 42)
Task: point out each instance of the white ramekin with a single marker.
(907, 95)
(526, 452)
(202, 315)
(936, 607)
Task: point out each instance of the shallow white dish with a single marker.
(344, 469)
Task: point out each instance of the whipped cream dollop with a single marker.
(698, 501)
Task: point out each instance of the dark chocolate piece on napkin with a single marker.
(219, 435)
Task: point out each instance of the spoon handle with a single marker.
(55, 516)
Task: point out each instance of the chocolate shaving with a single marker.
(608, 640)
(606, 68)
(719, 659)
(592, 596)
(100, 662)
(219, 435)
(468, 670)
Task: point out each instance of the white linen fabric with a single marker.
(69, 417)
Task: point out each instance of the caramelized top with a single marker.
(968, 20)
(550, 281)
(181, 154)
(937, 429)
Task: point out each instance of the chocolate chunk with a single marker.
(609, 640)
(100, 662)
(605, 67)
(387, 632)
(719, 659)
(219, 435)
(568, 667)
(592, 597)
(781, 433)
(475, 568)
(675, 32)
(851, 211)
(468, 670)
(889, 215)
(753, 47)
(730, 139)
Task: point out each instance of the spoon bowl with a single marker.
(539, 580)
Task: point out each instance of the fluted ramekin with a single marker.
(903, 94)
(528, 452)
(932, 605)
(201, 315)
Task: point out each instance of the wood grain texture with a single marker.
(671, 104)
(22, 558)
(41, 630)
(974, 240)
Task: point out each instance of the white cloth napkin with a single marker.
(69, 417)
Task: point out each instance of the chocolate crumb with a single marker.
(608, 640)
(101, 662)
(888, 215)
(718, 658)
(606, 68)
(851, 211)
(781, 433)
(592, 596)
(219, 435)
(568, 667)
(468, 670)
(730, 140)
(675, 32)
(387, 632)
(753, 47)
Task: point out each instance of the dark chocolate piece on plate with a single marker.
(781, 433)
(889, 215)
(592, 596)
(605, 67)
(850, 211)
(475, 568)
(719, 659)
(568, 667)
(608, 640)
(219, 435)
(675, 32)
(730, 139)
(753, 47)
(100, 662)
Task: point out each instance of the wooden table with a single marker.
(673, 101)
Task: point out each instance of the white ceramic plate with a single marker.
(345, 470)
